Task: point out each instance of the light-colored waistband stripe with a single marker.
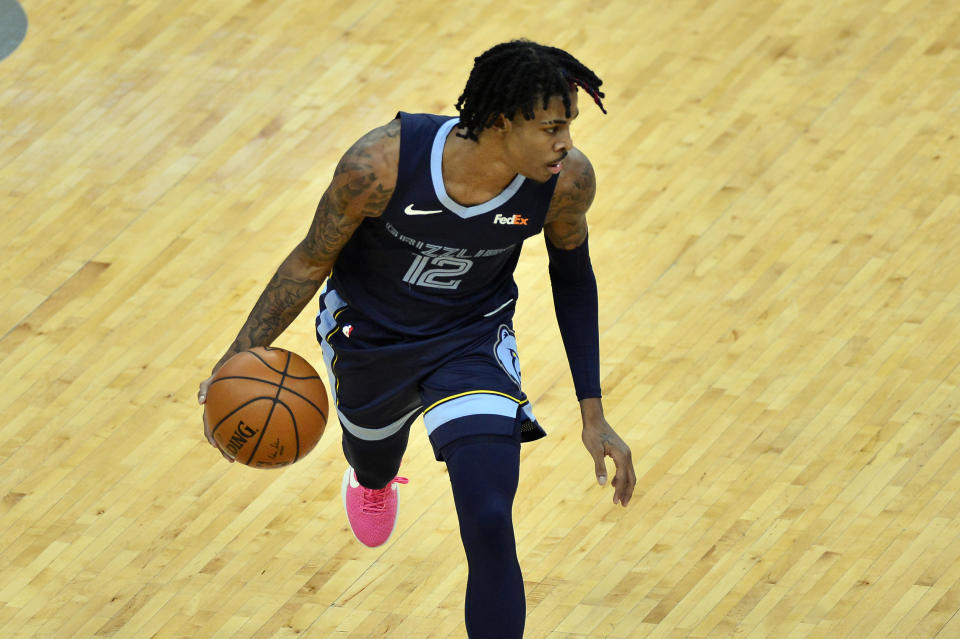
(515, 400)
(466, 404)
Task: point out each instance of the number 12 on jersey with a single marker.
(442, 275)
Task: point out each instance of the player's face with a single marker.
(537, 147)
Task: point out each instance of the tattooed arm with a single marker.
(575, 300)
(361, 187)
(566, 223)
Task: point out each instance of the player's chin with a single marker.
(543, 175)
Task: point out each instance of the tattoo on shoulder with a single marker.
(364, 180)
(576, 198)
(362, 185)
(566, 225)
(392, 128)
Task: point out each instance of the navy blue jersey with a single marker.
(429, 265)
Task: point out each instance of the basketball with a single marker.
(266, 407)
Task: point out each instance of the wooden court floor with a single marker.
(776, 241)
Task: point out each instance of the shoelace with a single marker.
(375, 500)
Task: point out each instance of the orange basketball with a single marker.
(266, 407)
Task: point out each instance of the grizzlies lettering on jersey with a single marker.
(429, 265)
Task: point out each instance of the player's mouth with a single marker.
(556, 167)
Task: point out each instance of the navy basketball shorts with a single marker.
(464, 383)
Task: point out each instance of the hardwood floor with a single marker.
(775, 240)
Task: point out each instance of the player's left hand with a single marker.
(602, 442)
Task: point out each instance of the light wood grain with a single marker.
(776, 240)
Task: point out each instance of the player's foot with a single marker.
(372, 513)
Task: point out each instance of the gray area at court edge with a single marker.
(13, 26)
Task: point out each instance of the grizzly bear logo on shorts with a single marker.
(506, 352)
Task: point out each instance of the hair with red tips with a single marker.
(511, 77)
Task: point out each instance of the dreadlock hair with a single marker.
(512, 76)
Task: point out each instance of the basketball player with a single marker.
(419, 232)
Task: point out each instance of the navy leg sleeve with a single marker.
(484, 472)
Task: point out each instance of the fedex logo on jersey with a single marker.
(513, 220)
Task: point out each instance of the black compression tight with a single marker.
(484, 473)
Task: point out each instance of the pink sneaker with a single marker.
(372, 513)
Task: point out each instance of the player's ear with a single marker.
(501, 124)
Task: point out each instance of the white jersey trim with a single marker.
(436, 174)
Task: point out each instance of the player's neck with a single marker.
(474, 172)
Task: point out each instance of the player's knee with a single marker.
(489, 527)
(495, 520)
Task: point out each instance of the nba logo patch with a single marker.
(505, 351)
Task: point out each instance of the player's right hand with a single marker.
(202, 399)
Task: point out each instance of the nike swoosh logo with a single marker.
(412, 211)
